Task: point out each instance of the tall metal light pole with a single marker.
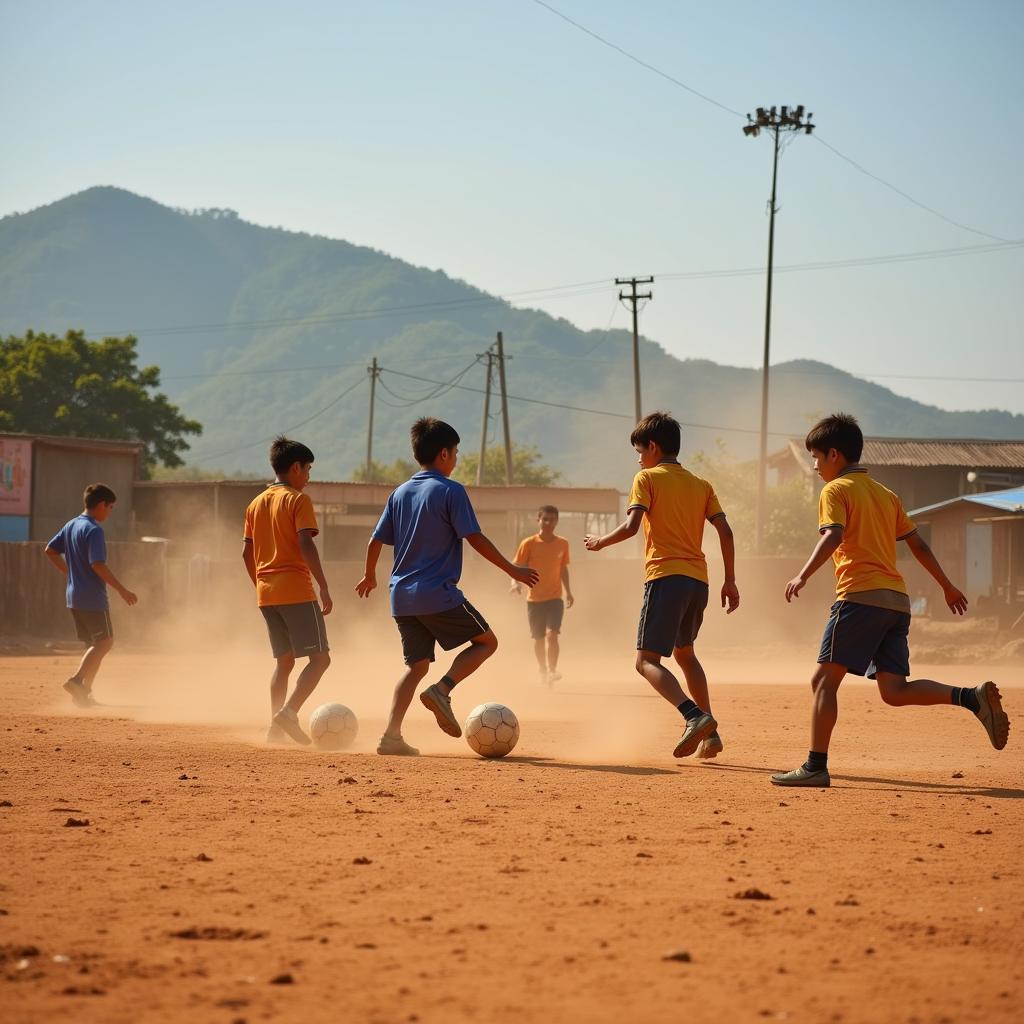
(786, 119)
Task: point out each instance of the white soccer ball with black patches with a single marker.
(333, 727)
(492, 730)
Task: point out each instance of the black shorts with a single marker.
(672, 613)
(296, 629)
(92, 627)
(866, 640)
(452, 628)
(545, 616)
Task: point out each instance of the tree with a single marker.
(395, 473)
(78, 388)
(527, 467)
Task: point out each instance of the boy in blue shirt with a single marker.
(426, 520)
(79, 550)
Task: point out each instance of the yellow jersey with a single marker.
(677, 505)
(272, 522)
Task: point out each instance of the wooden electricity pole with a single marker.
(489, 356)
(374, 371)
(504, 409)
(633, 299)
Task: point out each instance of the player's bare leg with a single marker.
(288, 717)
(405, 690)
(278, 693)
(900, 692)
(697, 686)
(541, 656)
(699, 724)
(824, 714)
(553, 652)
(80, 684)
(436, 698)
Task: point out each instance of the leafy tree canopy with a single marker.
(527, 467)
(78, 388)
(394, 473)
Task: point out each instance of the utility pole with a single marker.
(489, 356)
(787, 119)
(633, 298)
(374, 372)
(504, 409)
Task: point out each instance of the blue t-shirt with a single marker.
(425, 520)
(81, 542)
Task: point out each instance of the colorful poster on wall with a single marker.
(15, 477)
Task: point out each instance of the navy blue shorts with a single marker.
(545, 616)
(672, 613)
(866, 640)
(450, 629)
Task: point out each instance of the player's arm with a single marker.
(311, 557)
(369, 580)
(831, 537)
(483, 547)
(953, 596)
(103, 571)
(56, 560)
(626, 529)
(569, 599)
(730, 593)
(249, 558)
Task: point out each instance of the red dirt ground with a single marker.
(549, 886)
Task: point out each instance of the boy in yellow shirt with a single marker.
(860, 522)
(673, 506)
(282, 562)
(549, 555)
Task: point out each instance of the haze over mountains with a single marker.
(258, 329)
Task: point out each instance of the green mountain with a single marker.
(259, 330)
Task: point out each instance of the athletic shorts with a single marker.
(672, 613)
(296, 629)
(545, 616)
(92, 627)
(450, 629)
(866, 640)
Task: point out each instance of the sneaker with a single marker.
(275, 734)
(553, 677)
(79, 694)
(802, 777)
(288, 721)
(545, 679)
(433, 699)
(397, 746)
(990, 714)
(710, 747)
(696, 730)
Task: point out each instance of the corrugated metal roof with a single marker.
(1010, 500)
(910, 451)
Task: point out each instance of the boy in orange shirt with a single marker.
(282, 562)
(549, 555)
(673, 506)
(860, 522)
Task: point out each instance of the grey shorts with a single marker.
(545, 617)
(672, 613)
(296, 629)
(92, 627)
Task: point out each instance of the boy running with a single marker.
(79, 551)
(674, 505)
(860, 522)
(425, 520)
(282, 562)
(549, 555)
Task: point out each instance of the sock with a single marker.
(449, 681)
(689, 710)
(966, 697)
(816, 761)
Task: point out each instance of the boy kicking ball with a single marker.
(673, 506)
(860, 522)
(79, 551)
(426, 521)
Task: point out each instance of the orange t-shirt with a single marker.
(548, 558)
(272, 522)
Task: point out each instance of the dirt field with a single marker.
(220, 880)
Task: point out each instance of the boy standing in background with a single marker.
(673, 506)
(549, 555)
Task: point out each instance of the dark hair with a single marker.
(839, 431)
(660, 428)
(284, 453)
(547, 508)
(430, 437)
(96, 494)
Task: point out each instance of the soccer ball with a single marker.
(333, 727)
(492, 730)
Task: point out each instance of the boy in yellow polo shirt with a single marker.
(549, 555)
(673, 506)
(860, 522)
(282, 562)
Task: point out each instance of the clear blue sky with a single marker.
(502, 145)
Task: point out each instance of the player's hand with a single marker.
(128, 597)
(730, 597)
(366, 584)
(793, 588)
(524, 574)
(326, 603)
(956, 600)
(592, 543)
(569, 601)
